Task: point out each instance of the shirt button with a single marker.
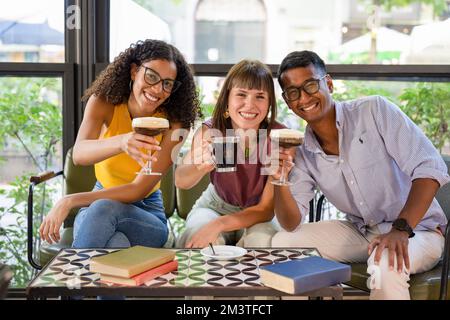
(352, 182)
(341, 161)
(361, 203)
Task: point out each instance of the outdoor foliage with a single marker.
(438, 5)
(31, 122)
(427, 104)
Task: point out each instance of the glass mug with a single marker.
(224, 151)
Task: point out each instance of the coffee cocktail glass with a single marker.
(149, 126)
(225, 153)
(286, 138)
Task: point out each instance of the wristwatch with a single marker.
(402, 225)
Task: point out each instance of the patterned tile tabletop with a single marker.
(70, 269)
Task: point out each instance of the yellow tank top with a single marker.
(120, 169)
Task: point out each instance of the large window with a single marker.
(32, 31)
(399, 48)
(37, 111)
(341, 31)
(223, 28)
(30, 142)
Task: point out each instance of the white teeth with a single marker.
(248, 115)
(309, 108)
(150, 97)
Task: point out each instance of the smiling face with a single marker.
(247, 107)
(310, 107)
(146, 98)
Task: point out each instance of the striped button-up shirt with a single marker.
(381, 151)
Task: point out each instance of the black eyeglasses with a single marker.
(310, 87)
(152, 78)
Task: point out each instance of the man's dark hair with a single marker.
(301, 59)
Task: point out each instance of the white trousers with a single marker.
(341, 241)
(209, 207)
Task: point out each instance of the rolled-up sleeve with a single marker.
(407, 144)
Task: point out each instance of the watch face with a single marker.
(400, 223)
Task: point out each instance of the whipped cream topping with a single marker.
(150, 122)
(286, 134)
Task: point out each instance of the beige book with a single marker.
(129, 262)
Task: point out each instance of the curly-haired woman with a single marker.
(149, 79)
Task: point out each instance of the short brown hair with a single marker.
(248, 74)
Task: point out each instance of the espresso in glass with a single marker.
(149, 126)
(286, 138)
(225, 153)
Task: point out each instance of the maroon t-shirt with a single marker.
(244, 187)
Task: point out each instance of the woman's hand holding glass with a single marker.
(134, 144)
(203, 158)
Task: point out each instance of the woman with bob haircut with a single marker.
(237, 206)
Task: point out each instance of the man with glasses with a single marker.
(372, 163)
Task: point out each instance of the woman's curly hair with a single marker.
(113, 83)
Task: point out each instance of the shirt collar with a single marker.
(339, 115)
(311, 144)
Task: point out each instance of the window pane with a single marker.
(32, 31)
(341, 31)
(30, 142)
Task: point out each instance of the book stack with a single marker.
(134, 266)
(304, 275)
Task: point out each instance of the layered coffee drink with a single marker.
(225, 153)
(149, 126)
(287, 138)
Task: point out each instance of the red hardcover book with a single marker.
(143, 277)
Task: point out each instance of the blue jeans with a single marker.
(113, 224)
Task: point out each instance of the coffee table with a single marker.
(68, 275)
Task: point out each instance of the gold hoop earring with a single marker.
(226, 114)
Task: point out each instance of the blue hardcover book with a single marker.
(304, 275)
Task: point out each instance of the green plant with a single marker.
(349, 90)
(178, 224)
(427, 104)
(31, 122)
